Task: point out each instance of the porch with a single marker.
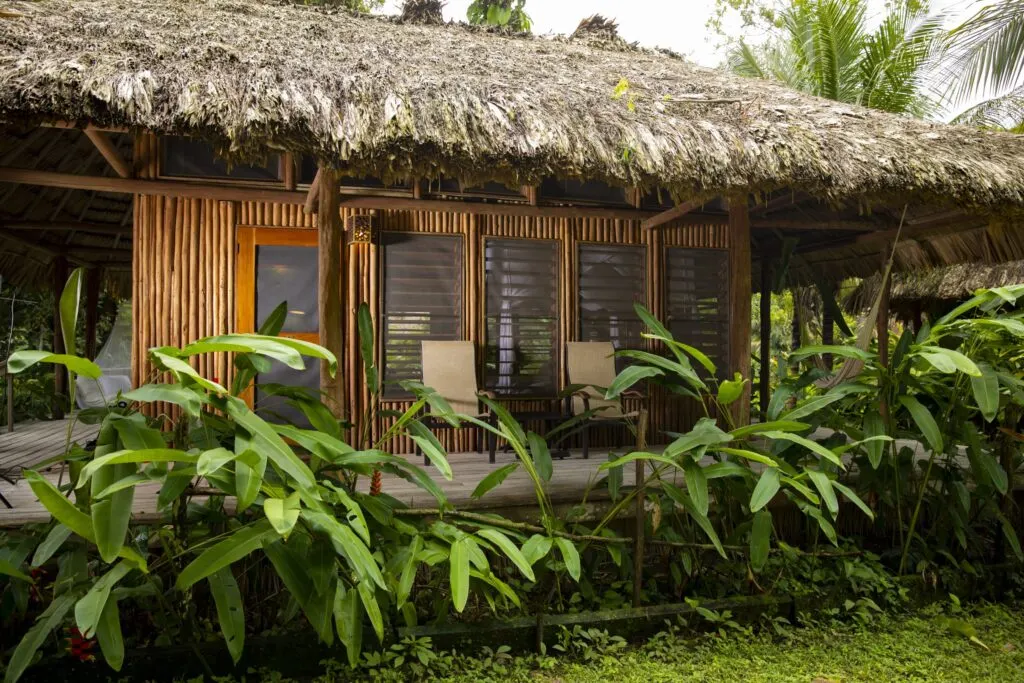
(33, 443)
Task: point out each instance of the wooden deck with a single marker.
(33, 443)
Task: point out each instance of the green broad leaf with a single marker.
(773, 426)
(51, 544)
(503, 588)
(541, 455)
(108, 634)
(802, 489)
(694, 353)
(536, 548)
(134, 457)
(348, 619)
(328, 447)
(282, 513)
(19, 361)
(986, 392)
(347, 544)
(89, 609)
(180, 369)
(274, 322)
(924, 421)
(65, 512)
(308, 349)
(1010, 534)
(683, 500)
(570, 556)
(730, 391)
(696, 485)
(760, 539)
(705, 433)
(211, 461)
(812, 446)
(355, 517)
(69, 305)
(948, 360)
(825, 524)
(753, 456)
(874, 426)
(631, 457)
(8, 569)
(34, 638)
(816, 403)
(851, 352)
(993, 471)
(369, 600)
(509, 548)
(824, 486)
(766, 488)
(408, 575)
(366, 347)
(719, 470)
(294, 571)
(853, 498)
(458, 572)
(190, 401)
(223, 554)
(131, 481)
(681, 369)
(431, 447)
(651, 322)
(230, 610)
(628, 377)
(266, 440)
(494, 479)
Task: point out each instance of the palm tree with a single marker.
(824, 47)
(987, 56)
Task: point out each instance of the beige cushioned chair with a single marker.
(449, 368)
(592, 364)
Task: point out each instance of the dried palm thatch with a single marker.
(371, 96)
(938, 285)
(422, 12)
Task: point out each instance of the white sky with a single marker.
(680, 25)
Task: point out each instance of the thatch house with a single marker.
(268, 150)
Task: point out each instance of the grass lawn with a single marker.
(915, 648)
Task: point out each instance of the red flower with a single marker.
(376, 483)
(79, 647)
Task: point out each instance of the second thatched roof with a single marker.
(374, 96)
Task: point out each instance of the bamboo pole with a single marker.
(640, 514)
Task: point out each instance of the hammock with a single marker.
(115, 359)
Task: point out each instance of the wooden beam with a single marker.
(109, 152)
(70, 226)
(675, 212)
(764, 374)
(331, 299)
(489, 209)
(312, 201)
(88, 126)
(810, 223)
(288, 170)
(92, 303)
(739, 301)
(170, 188)
(785, 201)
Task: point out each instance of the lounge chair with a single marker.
(449, 368)
(591, 367)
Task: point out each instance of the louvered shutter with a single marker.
(697, 284)
(422, 300)
(612, 278)
(522, 317)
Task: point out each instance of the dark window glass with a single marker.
(589, 192)
(522, 317)
(192, 158)
(307, 172)
(612, 279)
(658, 200)
(422, 300)
(274, 407)
(698, 301)
(285, 273)
(445, 185)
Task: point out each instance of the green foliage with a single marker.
(501, 13)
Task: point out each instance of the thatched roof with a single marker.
(376, 96)
(948, 285)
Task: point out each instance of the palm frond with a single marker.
(988, 50)
(1000, 113)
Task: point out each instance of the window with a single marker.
(584, 192)
(422, 300)
(522, 317)
(192, 158)
(307, 168)
(288, 273)
(611, 279)
(698, 301)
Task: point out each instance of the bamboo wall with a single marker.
(184, 284)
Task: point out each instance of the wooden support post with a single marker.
(109, 152)
(60, 377)
(640, 518)
(288, 170)
(739, 301)
(92, 303)
(313, 196)
(764, 375)
(331, 301)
